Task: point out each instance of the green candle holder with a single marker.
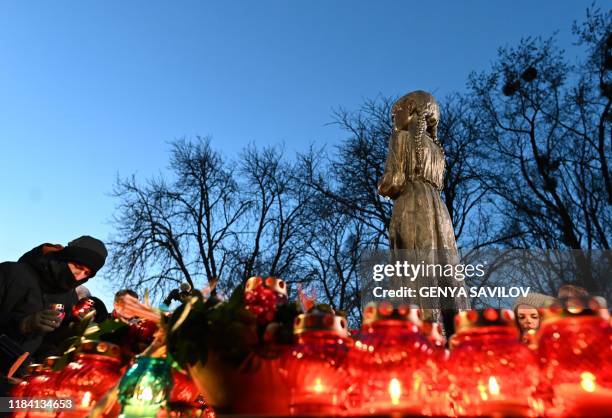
(145, 388)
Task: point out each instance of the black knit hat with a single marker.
(85, 250)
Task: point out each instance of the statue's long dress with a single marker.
(420, 223)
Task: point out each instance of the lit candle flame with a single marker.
(588, 381)
(395, 391)
(318, 386)
(144, 394)
(493, 386)
(85, 401)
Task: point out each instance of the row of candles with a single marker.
(398, 363)
(150, 387)
(394, 363)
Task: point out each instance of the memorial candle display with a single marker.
(575, 353)
(395, 365)
(393, 359)
(490, 370)
(95, 370)
(316, 367)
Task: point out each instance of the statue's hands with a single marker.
(391, 185)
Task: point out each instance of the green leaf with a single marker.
(111, 325)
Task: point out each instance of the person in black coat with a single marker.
(47, 274)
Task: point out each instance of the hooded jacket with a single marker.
(38, 279)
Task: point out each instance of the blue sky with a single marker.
(92, 90)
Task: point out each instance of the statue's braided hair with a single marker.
(428, 112)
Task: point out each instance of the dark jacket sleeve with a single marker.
(9, 319)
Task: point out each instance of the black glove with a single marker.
(46, 321)
(174, 295)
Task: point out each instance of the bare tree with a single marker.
(273, 233)
(544, 174)
(332, 258)
(545, 163)
(170, 232)
(466, 199)
(591, 98)
(216, 222)
(350, 175)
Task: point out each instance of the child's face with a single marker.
(528, 318)
(403, 115)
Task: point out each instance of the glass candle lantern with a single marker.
(94, 371)
(59, 309)
(316, 366)
(490, 370)
(575, 353)
(82, 308)
(394, 360)
(22, 389)
(262, 296)
(42, 386)
(145, 388)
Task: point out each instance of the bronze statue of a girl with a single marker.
(413, 178)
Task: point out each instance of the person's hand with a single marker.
(46, 320)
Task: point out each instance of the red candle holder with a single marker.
(490, 370)
(37, 376)
(316, 367)
(32, 370)
(575, 353)
(82, 308)
(59, 308)
(140, 335)
(393, 360)
(185, 398)
(262, 296)
(42, 386)
(95, 370)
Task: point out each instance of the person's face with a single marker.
(119, 307)
(528, 318)
(79, 271)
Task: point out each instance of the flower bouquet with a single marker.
(233, 349)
